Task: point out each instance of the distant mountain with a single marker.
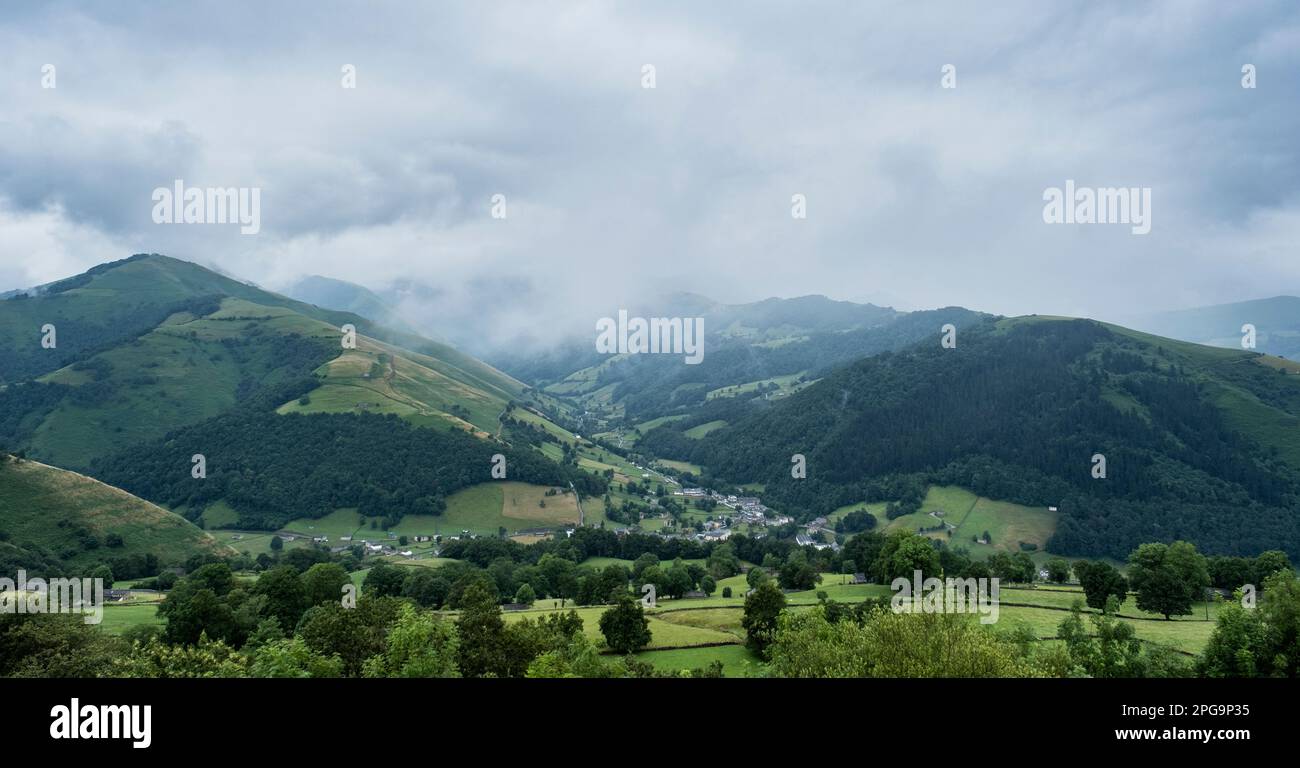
(1199, 443)
(60, 521)
(1276, 321)
(148, 347)
(765, 349)
(328, 293)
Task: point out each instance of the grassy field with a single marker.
(480, 509)
(153, 379)
(119, 618)
(784, 384)
(1007, 524)
(690, 633)
(664, 634)
(700, 430)
(682, 466)
(378, 378)
(46, 506)
(254, 543)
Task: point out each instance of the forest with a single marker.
(1018, 413)
(273, 468)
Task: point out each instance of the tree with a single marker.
(643, 562)
(54, 645)
(796, 573)
(723, 562)
(1168, 578)
(384, 580)
(1238, 647)
(418, 645)
(678, 581)
(1058, 570)
(561, 574)
(426, 587)
(762, 607)
(286, 599)
(1115, 650)
(482, 650)
(277, 543)
(1100, 581)
(755, 577)
(525, 595)
(726, 591)
(707, 584)
(355, 634)
(888, 644)
(292, 657)
(864, 549)
(625, 627)
(1269, 563)
(324, 582)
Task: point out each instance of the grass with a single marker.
(682, 466)
(179, 373)
(255, 543)
(120, 618)
(664, 634)
(182, 371)
(379, 378)
(784, 385)
(700, 630)
(481, 509)
(700, 430)
(1007, 524)
(46, 506)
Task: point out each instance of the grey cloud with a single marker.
(918, 196)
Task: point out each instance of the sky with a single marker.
(917, 195)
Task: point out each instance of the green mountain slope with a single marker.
(1018, 410)
(55, 520)
(1276, 321)
(151, 343)
(291, 423)
(768, 348)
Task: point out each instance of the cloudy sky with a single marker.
(917, 195)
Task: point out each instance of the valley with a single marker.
(374, 459)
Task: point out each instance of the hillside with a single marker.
(151, 343)
(159, 359)
(59, 520)
(1276, 321)
(770, 348)
(1017, 411)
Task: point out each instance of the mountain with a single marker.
(346, 297)
(769, 322)
(60, 521)
(162, 358)
(765, 350)
(1276, 321)
(1199, 443)
(151, 343)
